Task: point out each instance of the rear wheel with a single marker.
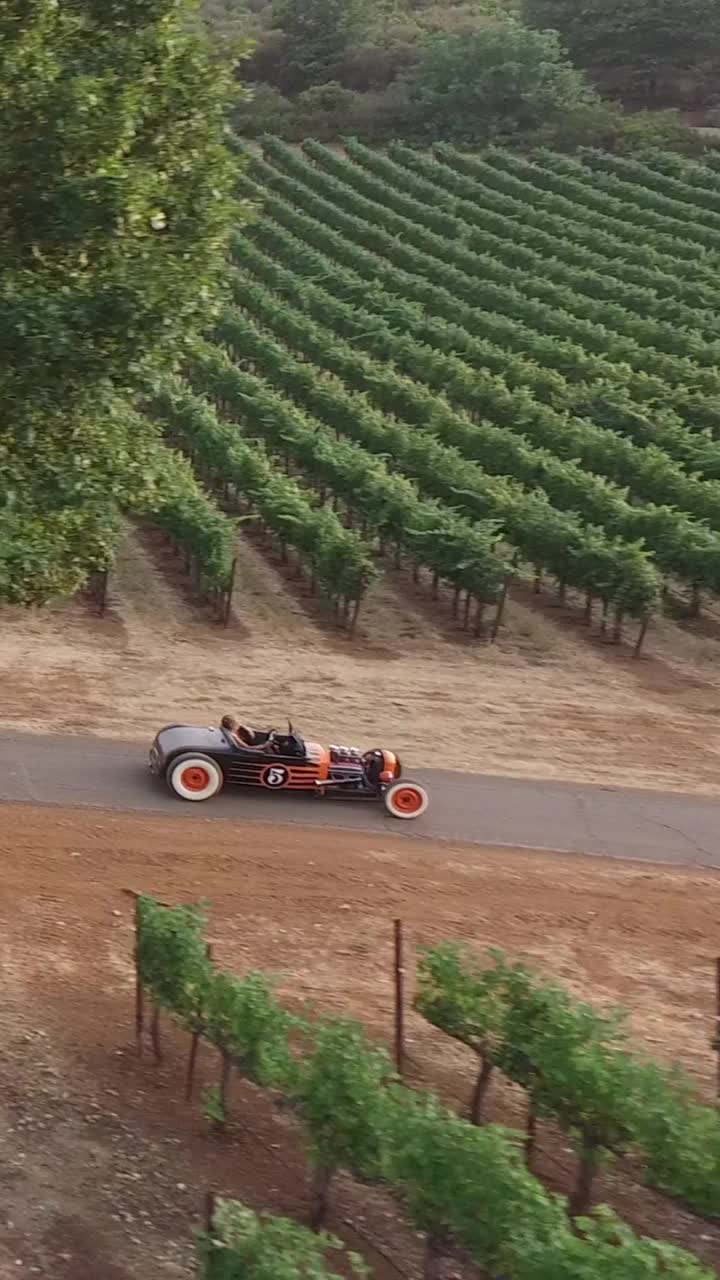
(194, 777)
(406, 800)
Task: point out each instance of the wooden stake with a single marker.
(229, 594)
(139, 993)
(225, 1066)
(717, 1019)
(155, 1033)
(617, 626)
(641, 636)
(500, 611)
(190, 1077)
(355, 616)
(102, 601)
(209, 1211)
(399, 975)
(466, 610)
(531, 1131)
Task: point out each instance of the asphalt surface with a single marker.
(568, 817)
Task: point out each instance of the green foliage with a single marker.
(458, 997)
(316, 34)
(243, 1245)
(619, 357)
(663, 129)
(467, 1183)
(498, 379)
(366, 54)
(173, 961)
(680, 1138)
(195, 524)
(213, 1108)
(434, 536)
(497, 83)
(602, 1248)
(117, 208)
(241, 1017)
(576, 1068)
(340, 561)
(340, 1090)
(640, 54)
(458, 1182)
(567, 1058)
(592, 123)
(679, 545)
(48, 555)
(248, 1024)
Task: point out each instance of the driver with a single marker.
(254, 737)
(241, 735)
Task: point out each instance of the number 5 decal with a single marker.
(275, 776)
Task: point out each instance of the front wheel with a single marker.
(194, 777)
(406, 800)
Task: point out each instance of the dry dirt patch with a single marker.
(103, 1168)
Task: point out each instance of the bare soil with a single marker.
(103, 1168)
(551, 699)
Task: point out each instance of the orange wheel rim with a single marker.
(407, 800)
(195, 778)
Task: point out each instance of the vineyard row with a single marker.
(390, 216)
(512, 330)
(385, 504)
(422, 176)
(519, 180)
(435, 314)
(457, 1181)
(559, 235)
(680, 546)
(498, 258)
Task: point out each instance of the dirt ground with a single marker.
(103, 1168)
(549, 700)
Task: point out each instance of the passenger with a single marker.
(230, 725)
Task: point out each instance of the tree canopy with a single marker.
(638, 50)
(498, 82)
(118, 204)
(658, 53)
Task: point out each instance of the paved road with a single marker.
(652, 826)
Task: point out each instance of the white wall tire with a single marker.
(194, 777)
(406, 800)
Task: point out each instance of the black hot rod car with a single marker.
(197, 762)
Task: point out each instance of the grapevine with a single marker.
(553, 234)
(556, 541)
(546, 368)
(680, 546)
(482, 279)
(339, 559)
(242, 1245)
(458, 1182)
(454, 549)
(512, 325)
(576, 1069)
